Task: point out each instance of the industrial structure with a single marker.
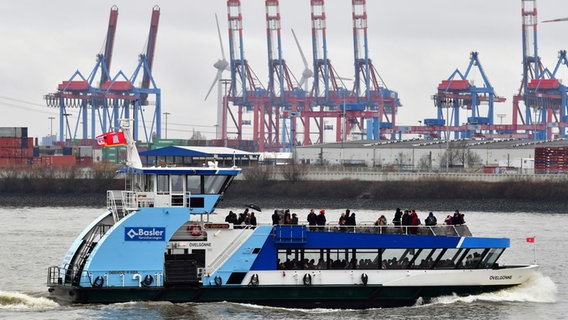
(367, 111)
(103, 99)
(289, 111)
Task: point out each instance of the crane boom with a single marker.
(109, 41)
(150, 48)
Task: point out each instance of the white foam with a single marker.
(538, 289)
(16, 300)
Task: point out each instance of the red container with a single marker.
(73, 86)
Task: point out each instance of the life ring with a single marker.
(148, 280)
(364, 279)
(218, 281)
(99, 281)
(195, 230)
(307, 279)
(253, 280)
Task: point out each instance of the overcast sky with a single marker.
(413, 44)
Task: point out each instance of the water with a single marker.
(35, 238)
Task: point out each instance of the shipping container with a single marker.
(13, 132)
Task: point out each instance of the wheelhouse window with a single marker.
(213, 184)
(177, 183)
(163, 184)
(194, 184)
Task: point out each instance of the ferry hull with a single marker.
(353, 297)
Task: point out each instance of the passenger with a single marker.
(406, 220)
(247, 219)
(351, 220)
(243, 217)
(252, 219)
(275, 218)
(294, 219)
(397, 217)
(231, 218)
(462, 218)
(287, 218)
(347, 216)
(342, 220)
(448, 220)
(312, 219)
(382, 221)
(415, 221)
(457, 219)
(431, 220)
(321, 220)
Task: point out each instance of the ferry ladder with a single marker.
(86, 248)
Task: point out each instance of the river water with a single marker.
(35, 238)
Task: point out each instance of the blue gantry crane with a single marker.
(459, 92)
(102, 104)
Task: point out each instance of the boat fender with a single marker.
(364, 279)
(148, 280)
(99, 281)
(218, 281)
(195, 229)
(307, 279)
(253, 280)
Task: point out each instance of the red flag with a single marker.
(530, 239)
(111, 139)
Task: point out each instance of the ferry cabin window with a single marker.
(473, 258)
(143, 182)
(448, 259)
(491, 257)
(213, 184)
(396, 258)
(372, 259)
(194, 184)
(423, 259)
(163, 184)
(368, 258)
(177, 183)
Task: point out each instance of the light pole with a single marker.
(51, 127)
(501, 116)
(166, 114)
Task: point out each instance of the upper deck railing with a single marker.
(297, 233)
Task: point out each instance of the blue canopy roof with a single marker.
(205, 152)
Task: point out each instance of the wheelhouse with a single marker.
(198, 189)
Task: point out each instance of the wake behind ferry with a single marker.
(155, 242)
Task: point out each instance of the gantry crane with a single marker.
(111, 98)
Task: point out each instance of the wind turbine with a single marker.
(307, 73)
(221, 65)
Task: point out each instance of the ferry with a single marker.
(156, 241)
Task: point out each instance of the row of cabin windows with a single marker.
(325, 259)
(195, 184)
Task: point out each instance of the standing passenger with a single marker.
(397, 217)
(294, 218)
(252, 219)
(275, 217)
(312, 220)
(321, 220)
